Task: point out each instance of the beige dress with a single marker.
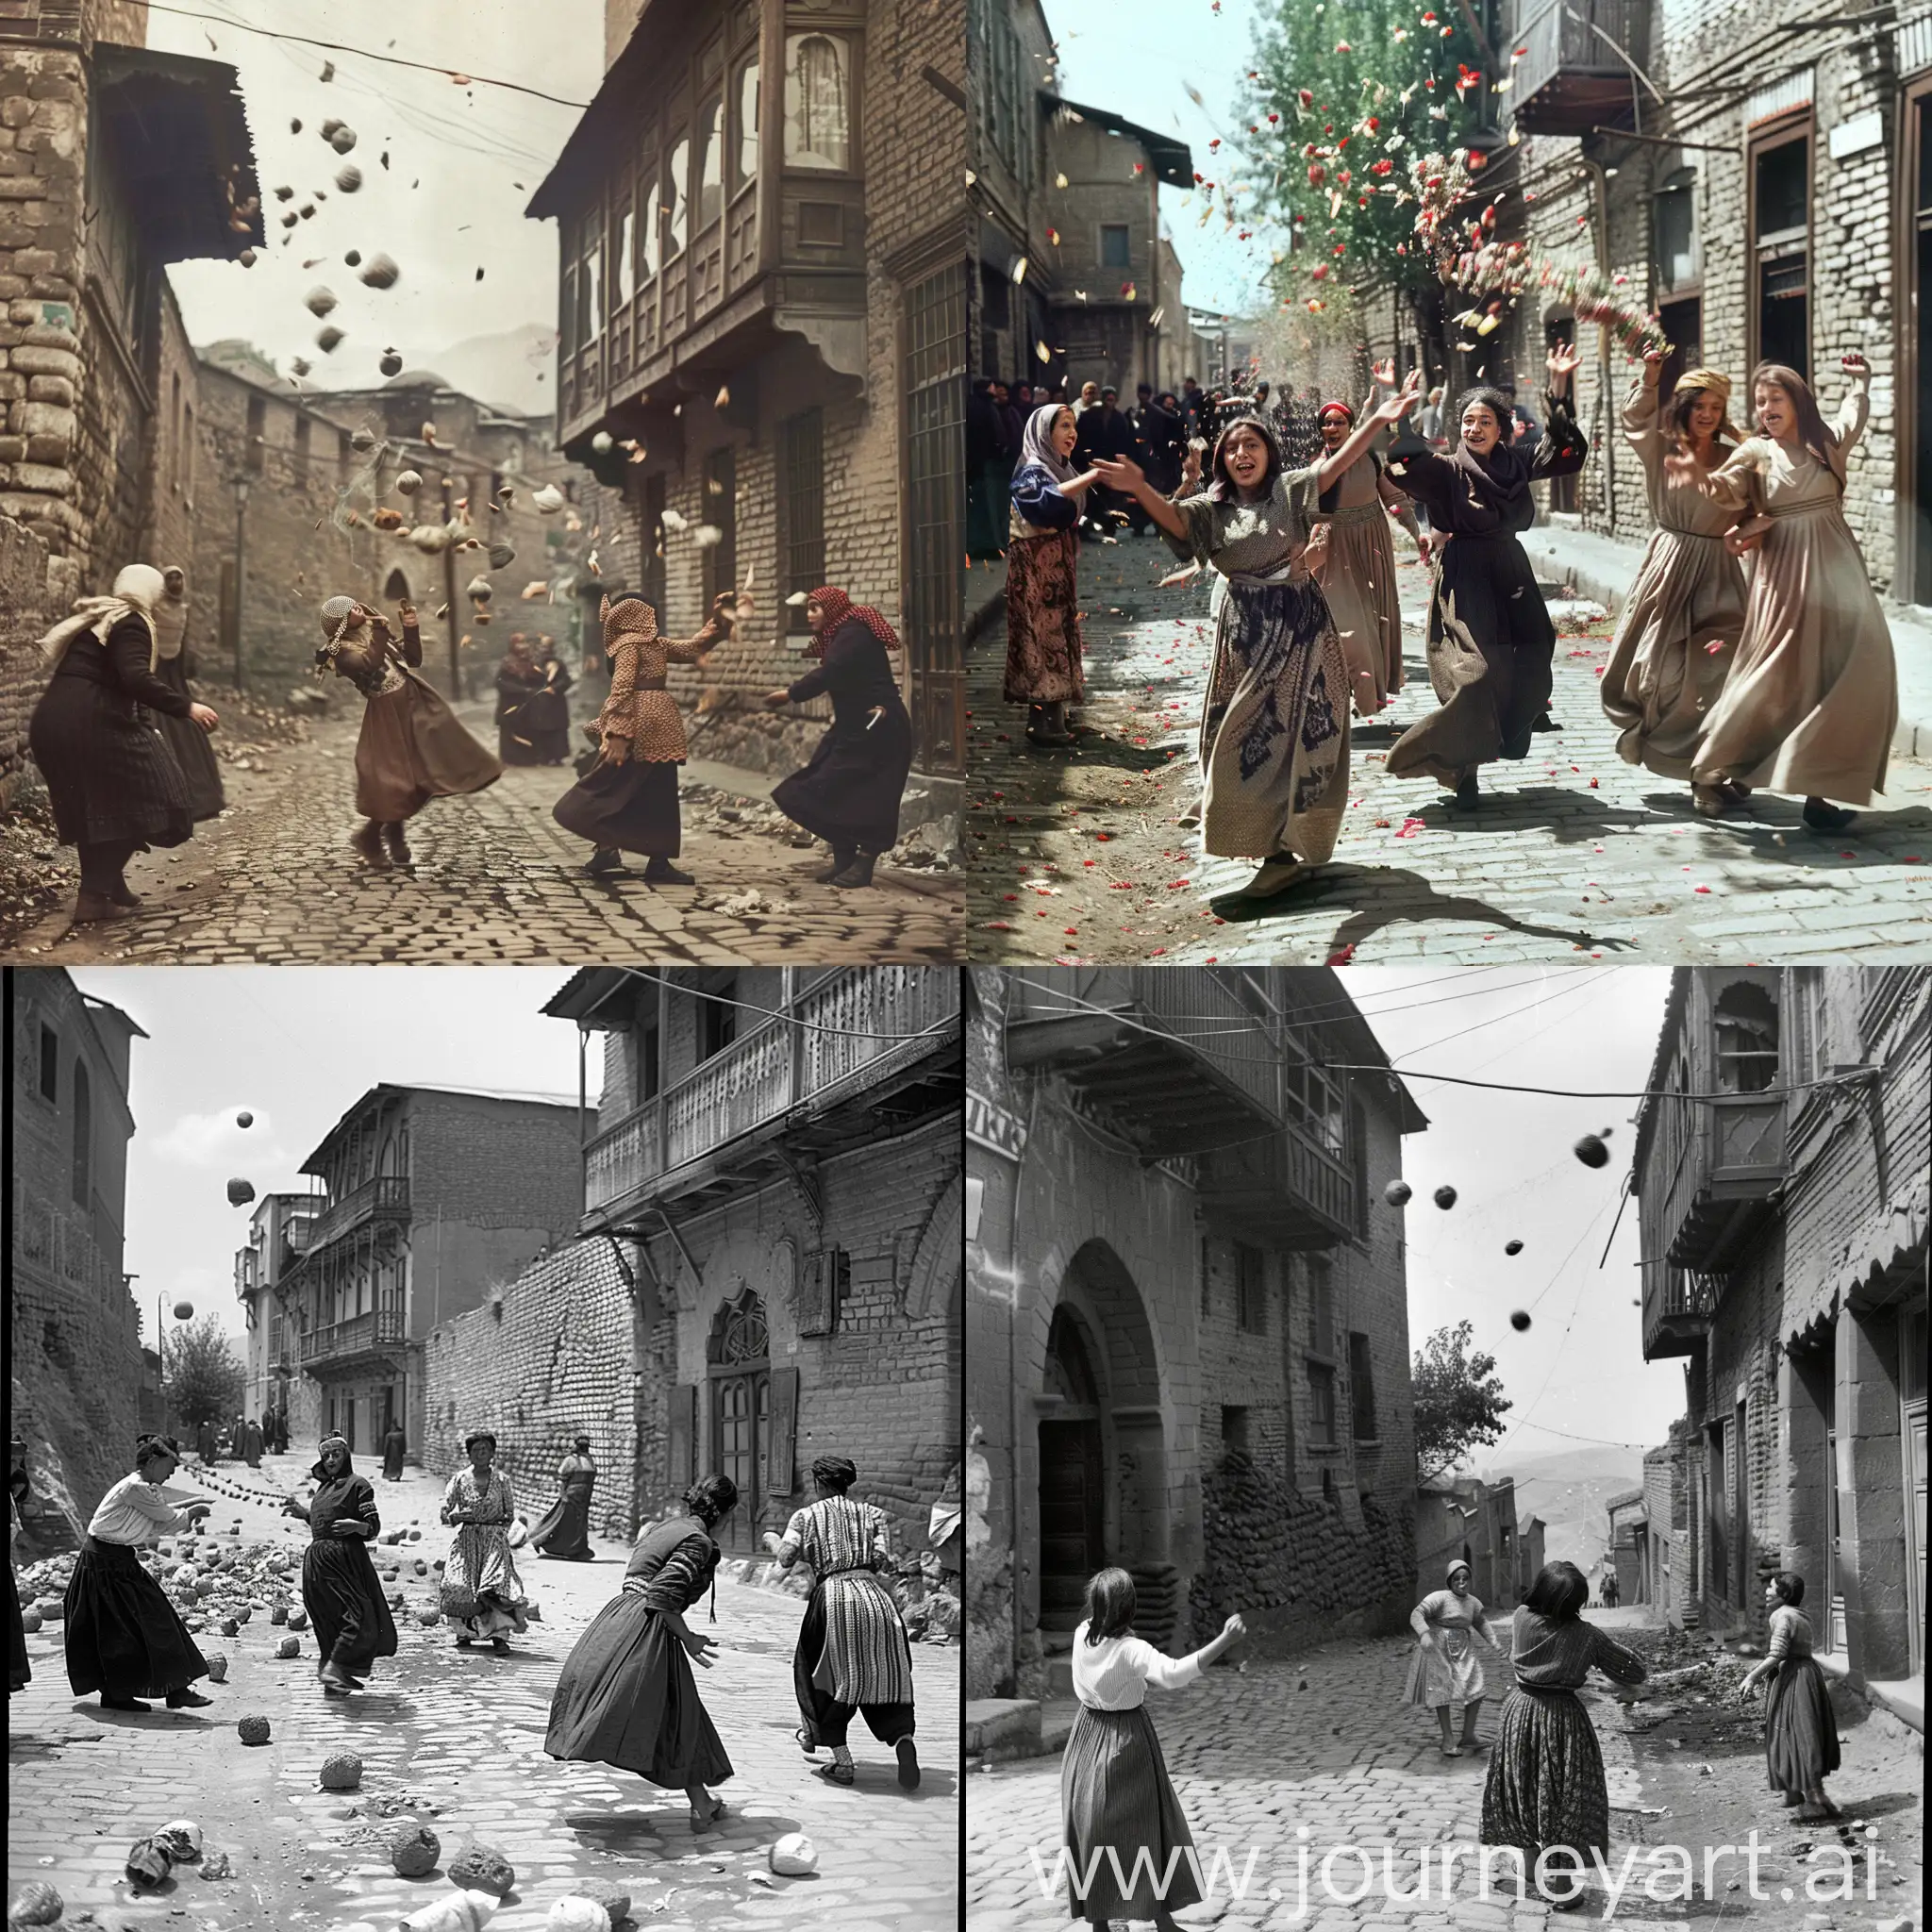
(1812, 698)
(1352, 557)
(1679, 630)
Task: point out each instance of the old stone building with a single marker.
(279, 1228)
(1784, 1204)
(762, 316)
(1462, 1518)
(73, 1331)
(1188, 1335)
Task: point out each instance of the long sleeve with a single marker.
(1197, 545)
(1040, 502)
(1782, 1627)
(1851, 415)
(681, 1575)
(833, 673)
(1640, 429)
(1614, 1661)
(128, 650)
(623, 684)
(1421, 1619)
(690, 650)
(412, 645)
(1737, 483)
(1164, 1672)
(1427, 476)
(1561, 448)
(1398, 505)
(297, 1507)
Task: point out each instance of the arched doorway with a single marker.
(397, 588)
(1073, 1504)
(739, 1372)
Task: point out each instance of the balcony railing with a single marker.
(361, 1335)
(1725, 1160)
(845, 1028)
(1678, 1307)
(387, 1195)
(1572, 77)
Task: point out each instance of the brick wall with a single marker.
(24, 614)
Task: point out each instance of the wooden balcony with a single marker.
(1678, 1307)
(856, 1049)
(385, 1198)
(360, 1342)
(1712, 1167)
(1570, 78)
(1285, 1192)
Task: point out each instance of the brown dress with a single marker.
(1353, 558)
(1679, 630)
(1812, 698)
(1043, 644)
(412, 748)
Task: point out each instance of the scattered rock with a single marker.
(483, 1868)
(148, 1864)
(414, 1849)
(35, 1904)
(253, 1730)
(287, 1647)
(793, 1855)
(577, 1914)
(341, 1773)
(181, 1840)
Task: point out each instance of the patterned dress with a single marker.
(1447, 1671)
(1800, 1728)
(481, 1564)
(852, 1650)
(1043, 641)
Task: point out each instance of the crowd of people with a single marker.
(1780, 679)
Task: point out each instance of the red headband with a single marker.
(1340, 410)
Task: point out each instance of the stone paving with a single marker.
(1321, 1743)
(493, 878)
(1078, 855)
(456, 1738)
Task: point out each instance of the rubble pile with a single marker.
(35, 874)
(727, 815)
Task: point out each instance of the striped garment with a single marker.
(866, 1658)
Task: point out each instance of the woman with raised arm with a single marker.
(1491, 642)
(1812, 698)
(1273, 744)
(1674, 640)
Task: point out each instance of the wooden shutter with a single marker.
(818, 1279)
(684, 1436)
(780, 1471)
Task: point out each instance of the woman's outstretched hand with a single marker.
(1403, 401)
(777, 700)
(1120, 473)
(1562, 363)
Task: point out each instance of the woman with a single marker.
(1042, 558)
(1812, 698)
(1274, 742)
(1352, 559)
(115, 788)
(1446, 1670)
(1545, 1787)
(518, 681)
(625, 1696)
(849, 791)
(340, 1588)
(251, 1443)
(988, 463)
(19, 1671)
(546, 715)
(1673, 641)
(1490, 641)
(174, 667)
(851, 1652)
(1800, 1728)
(394, 1443)
(565, 1529)
(482, 1594)
(628, 803)
(412, 748)
(205, 1441)
(1114, 1788)
(122, 1636)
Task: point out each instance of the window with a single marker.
(1362, 1382)
(1358, 1163)
(710, 183)
(1746, 1025)
(588, 321)
(1115, 248)
(678, 219)
(746, 162)
(803, 454)
(1683, 324)
(1251, 1277)
(1675, 214)
(624, 254)
(721, 512)
(50, 1065)
(256, 432)
(174, 425)
(650, 239)
(818, 103)
(1321, 1306)
(934, 390)
(718, 1017)
(1234, 1431)
(83, 1135)
(1321, 1405)
(1780, 225)
(185, 455)
(650, 1075)
(301, 428)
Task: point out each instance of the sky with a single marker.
(463, 163)
(1578, 1368)
(295, 1047)
(1140, 59)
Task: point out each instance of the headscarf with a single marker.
(1458, 1564)
(1036, 444)
(319, 1468)
(834, 1472)
(137, 592)
(1500, 482)
(171, 616)
(476, 1436)
(580, 1443)
(838, 607)
(1719, 385)
(628, 618)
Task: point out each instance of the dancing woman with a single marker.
(1446, 1670)
(1800, 1728)
(625, 1696)
(1043, 644)
(564, 1529)
(848, 793)
(1812, 698)
(174, 667)
(482, 1593)
(340, 1588)
(115, 788)
(1673, 643)
(1490, 641)
(852, 1651)
(518, 680)
(1273, 744)
(410, 748)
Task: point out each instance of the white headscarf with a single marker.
(1036, 444)
(137, 591)
(171, 616)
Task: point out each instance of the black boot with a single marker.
(186, 1699)
(1822, 817)
(604, 863)
(367, 841)
(660, 871)
(859, 873)
(1468, 793)
(841, 856)
(398, 846)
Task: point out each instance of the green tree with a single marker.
(205, 1376)
(1459, 1400)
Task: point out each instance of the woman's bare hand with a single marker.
(204, 715)
(616, 749)
(1653, 367)
(777, 700)
(1562, 363)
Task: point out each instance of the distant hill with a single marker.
(1570, 1489)
(515, 369)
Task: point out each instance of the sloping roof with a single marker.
(1617, 1502)
(1172, 159)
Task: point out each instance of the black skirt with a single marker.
(124, 1637)
(193, 750)
(849, 791)
(110, 778)
(19, 1672)
(1800, 1728)
(343, 1598)
(565, 1527)
(632, 807)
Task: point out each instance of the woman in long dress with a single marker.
(564, 1530)
(251, 1443)
(1812, 698)
(1546, 1789)
(1446, 1670)
(174, 667)
(848, 793)
(518, 681)
(1800, 1726)
(412, 747)
(1043, 643)
(852, 1654)
(1491, 645)
(628, 801)
(115, 788)
(1273, 744)
(341, 1590)
(1352, 557)
(482, 1594)
(1679, 629)
(625, 1696)
(394, 1443)
(122, 1636)
(1115, 1793)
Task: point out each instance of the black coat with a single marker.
(849, 791)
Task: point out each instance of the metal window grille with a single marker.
(935, 379)
(805, 506)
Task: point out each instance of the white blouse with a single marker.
(1114, 1673)
(134, 1511)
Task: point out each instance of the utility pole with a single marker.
(240, 566)
(449, 594)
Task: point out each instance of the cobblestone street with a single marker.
(1080, 854)
(456, 1738)
(1322, 1743)
(494, 879)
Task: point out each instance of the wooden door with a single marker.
(1070, 1518)
(740, 1428)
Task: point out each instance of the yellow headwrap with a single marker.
(1719, 386)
